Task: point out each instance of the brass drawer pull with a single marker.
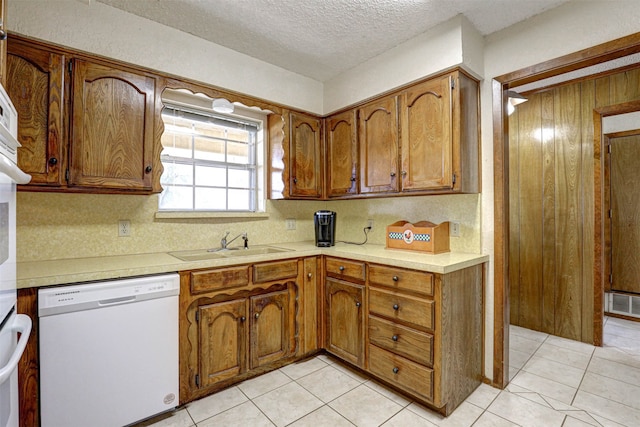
(396, 307)
(395, 338)
(396, 370)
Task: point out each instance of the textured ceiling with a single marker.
(323, 38)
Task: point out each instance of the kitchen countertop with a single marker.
(56, 272)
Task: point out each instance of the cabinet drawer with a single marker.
(399, 278)
(344, 269)
(278, 270)
(407, 342)
(404, 308)
(218, 279)
(401, 372)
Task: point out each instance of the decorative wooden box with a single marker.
(422, 236)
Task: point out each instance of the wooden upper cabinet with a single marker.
(306, 153)
(342, 154)
(112, 128)
(35, 84)
(426, 136)
(378, 138)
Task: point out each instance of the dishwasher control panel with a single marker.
(62, 299)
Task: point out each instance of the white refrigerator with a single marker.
(14, 328)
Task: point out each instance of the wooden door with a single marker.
(427, 140)
(342, 155)
(378, 139)
(222, 341)
(271, 328)
(35, 80)
(625, 216)
(306, 156)
(111, 128)
(345, 320)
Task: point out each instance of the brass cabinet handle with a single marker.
(341, 268)
(242, 319)
(404, 173)
(393, 174)
(309, 275)
(395, 338)
(148, 169)
(396, 370)
(395, 278)
(396, 307)
(358, 304)
(256, 315)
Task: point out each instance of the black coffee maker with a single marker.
(325, 225)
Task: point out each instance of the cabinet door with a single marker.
(378, 138)
(306, 156)
(111, 128)
(270, 328)
(342, 155)
(427, 147)
(35, 80)
(223, 341)
(345, 320)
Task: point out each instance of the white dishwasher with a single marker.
(108, 351)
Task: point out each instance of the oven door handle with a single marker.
(10, 169)
(21, 325)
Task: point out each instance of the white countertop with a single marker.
(55, 272)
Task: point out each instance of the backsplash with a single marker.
(63, 225)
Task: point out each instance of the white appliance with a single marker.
(11, 324)
(108, 351)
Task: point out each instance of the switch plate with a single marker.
(124, 228)
(290, 223)
(454, 229)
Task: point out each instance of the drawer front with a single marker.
(407, 342)
(278, 270)
(218, 279)
(343, 269)
(398, 278)
(401, 372)
(403, 308)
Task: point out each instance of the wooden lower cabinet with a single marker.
(223, 341)
(425, 333)
(345, 320)
(271, 331)
(241, 321)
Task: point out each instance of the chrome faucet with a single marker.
(224, 243)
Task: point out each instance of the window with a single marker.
(211, 162)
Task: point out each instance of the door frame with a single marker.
(584, 58)
(602, 203)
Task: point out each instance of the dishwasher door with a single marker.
(108, 351)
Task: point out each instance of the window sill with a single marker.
(209, 214)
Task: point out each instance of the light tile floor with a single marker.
(554, 382)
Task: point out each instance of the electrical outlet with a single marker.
(370, 224)
(454, 229)
(290, 223)
(124, 228)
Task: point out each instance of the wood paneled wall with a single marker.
(551, 203)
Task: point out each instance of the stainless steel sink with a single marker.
(205, 254)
